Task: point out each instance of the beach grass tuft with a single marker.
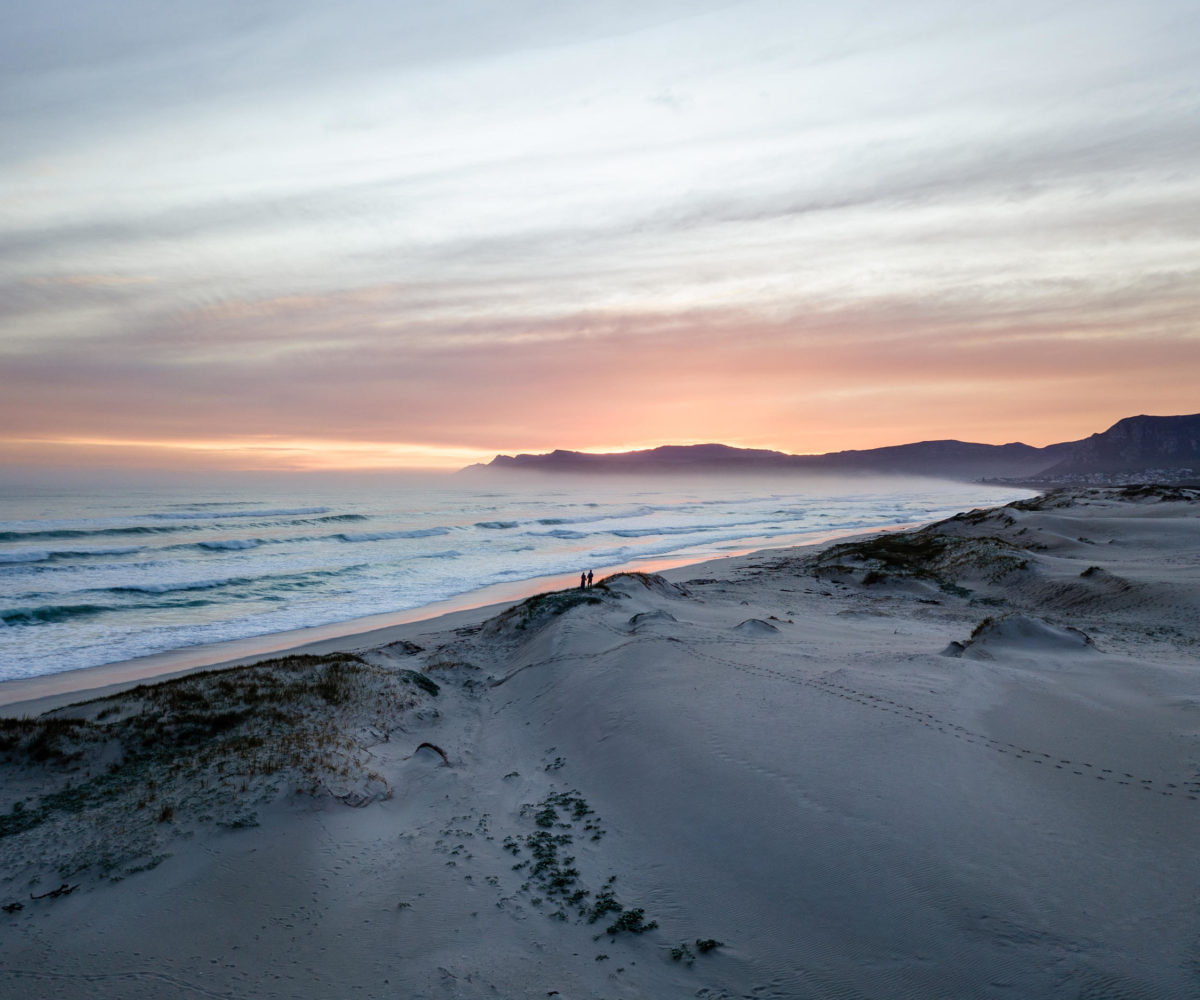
(205, 749)
(926, 554)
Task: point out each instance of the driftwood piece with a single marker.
(12, 907)
(62, 890)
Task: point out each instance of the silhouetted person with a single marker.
(582, 580)
(589, 577)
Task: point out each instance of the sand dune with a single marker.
(754, 778)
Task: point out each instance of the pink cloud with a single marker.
(346, 367)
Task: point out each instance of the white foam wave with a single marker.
(24, 556)
(690, 529)
(206, 515)
(167, 588)
(45, 555)
(383, 536)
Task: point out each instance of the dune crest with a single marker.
(1026, 636)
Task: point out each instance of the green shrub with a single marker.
(682, 951)
(633, 921)
(605, 903)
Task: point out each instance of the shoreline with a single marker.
(31, 696)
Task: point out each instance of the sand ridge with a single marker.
(762, 777)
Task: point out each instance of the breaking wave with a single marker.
(47, 555)
(53, 614)
(210, 515)
(382, 536)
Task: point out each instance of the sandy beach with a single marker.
(962, 761)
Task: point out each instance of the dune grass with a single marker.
(204, 749)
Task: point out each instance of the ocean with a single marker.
(101, 574)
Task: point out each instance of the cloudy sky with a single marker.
(381, 232)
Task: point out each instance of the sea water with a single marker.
(101, 574)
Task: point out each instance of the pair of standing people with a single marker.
(585, 580)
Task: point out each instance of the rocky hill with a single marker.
(1135, 449)
(1136, 445)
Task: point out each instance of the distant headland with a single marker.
(1135, 449)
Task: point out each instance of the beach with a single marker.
(94, 576)
(956, 761)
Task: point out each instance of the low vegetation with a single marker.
(536, 611)
(207, 748)
(927, 554)
(682, 952)
(552, 875)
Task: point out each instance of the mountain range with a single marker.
(1135, 449)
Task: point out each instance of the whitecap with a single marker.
(24, 556)
(383, 536)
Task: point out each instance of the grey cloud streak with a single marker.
(141, 59)
(1107, 157)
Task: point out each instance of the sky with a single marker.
(379, 233)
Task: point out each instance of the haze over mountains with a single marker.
(1135, 449)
